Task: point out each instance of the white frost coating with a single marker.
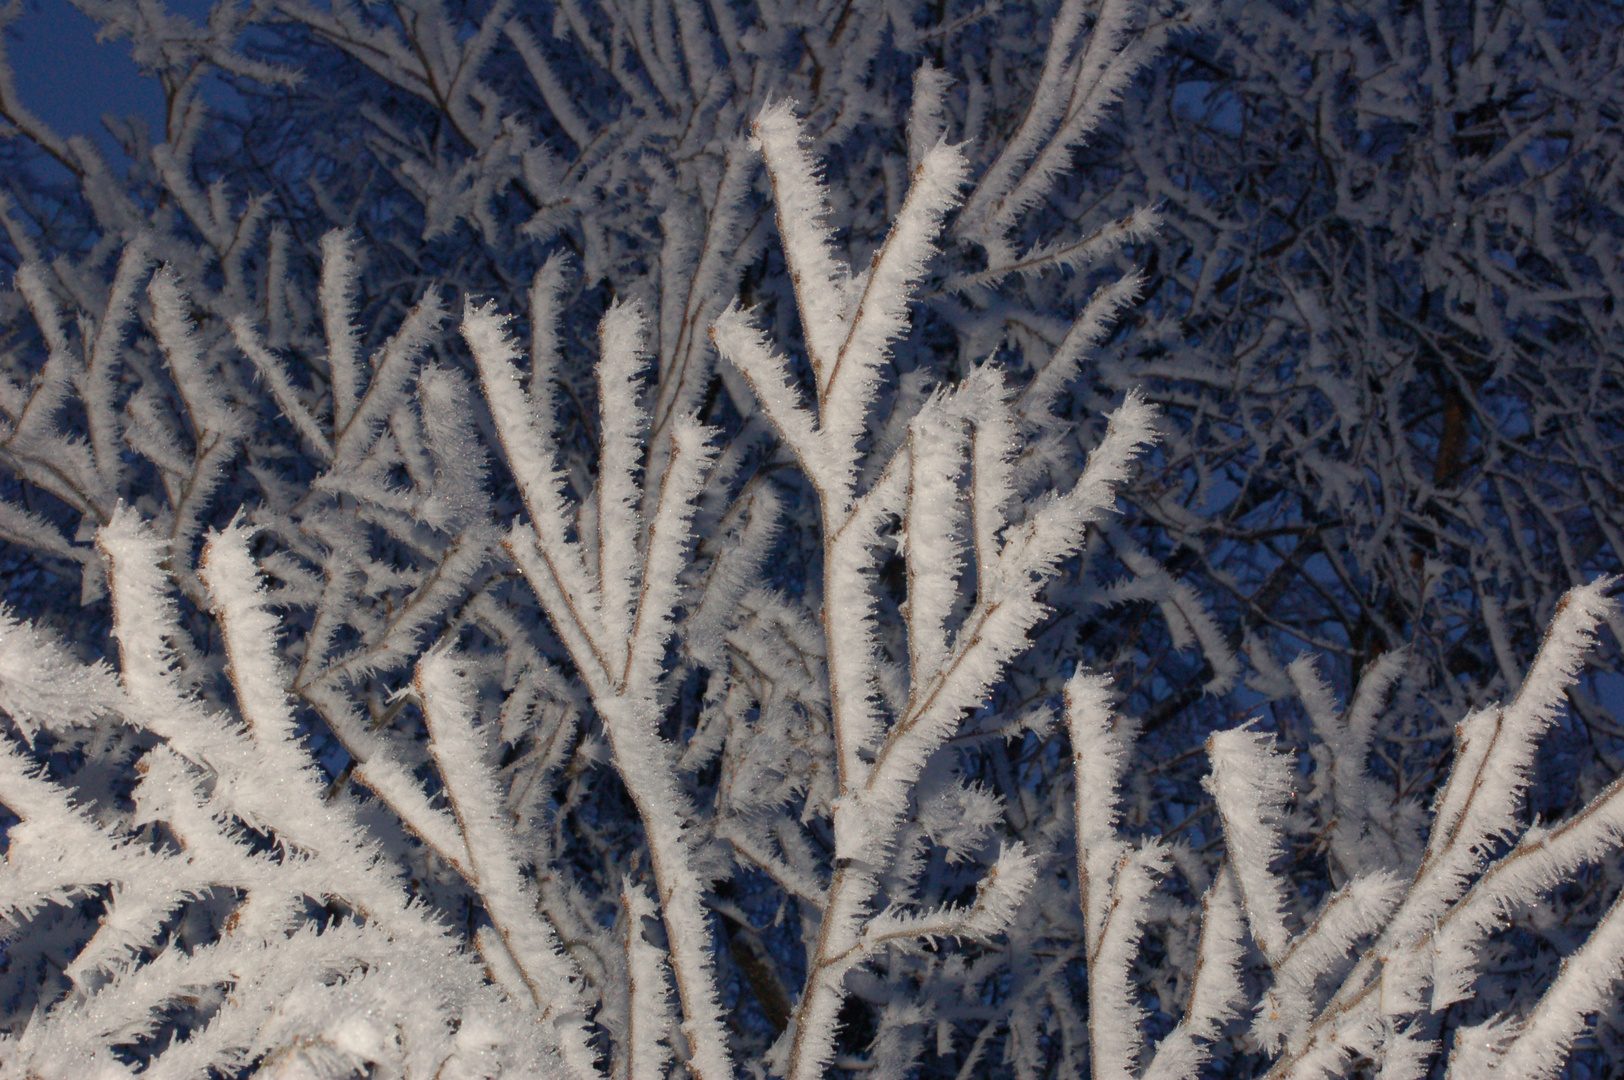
(1251, 781)
(648, 1048)
(1099, 754)
(392, 373)
(340, 273)
(995, 631)
(670, 536)
(646, 761)
(548, 290)
(42, 685)
(394, 784)
(750, 729)
(211, 415)
(1216, 992)
(1519, 881)
(1352, 913)
(1584, 986)
(34, 413)
(880, 311)
(1093, 324)
(457, 498)
(146, 629)
(995, 440)
(803, 211)
(519, 422)
(1189, 623)
(849, 324)
(927, 118)
(532, 457)
(1115, 1017)
(746, 348)
(257, 776)
(257, 676)
(627, 693)
(56, 852)
(696, 284)
(20, 526)
(533, 944)
(1042, 114)
(1323, 710)
(102, 364)
(30, 282)
(1363, 839)
(1437, 934)
(679, 256)
(624, 426)
(1489, 782)
(276, 380)
(554, 90)
(868, 820)
(934, 530)
(899, 1041)
(1474, 737)
(734, 573)
(999, 896)
(797, 722)
(1109, 61)
(1406, 1055)
(296, 806)
(1477, 1048)
(1375, 686)
(1114, 885)
(854, 649)
(1089, 330)
(1057, 526)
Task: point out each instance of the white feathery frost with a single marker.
(808, 671)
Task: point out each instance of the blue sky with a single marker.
(70, 80)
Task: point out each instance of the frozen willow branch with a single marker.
(600, 544)
(616, 617)
(1423, 938)
(932, 482)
